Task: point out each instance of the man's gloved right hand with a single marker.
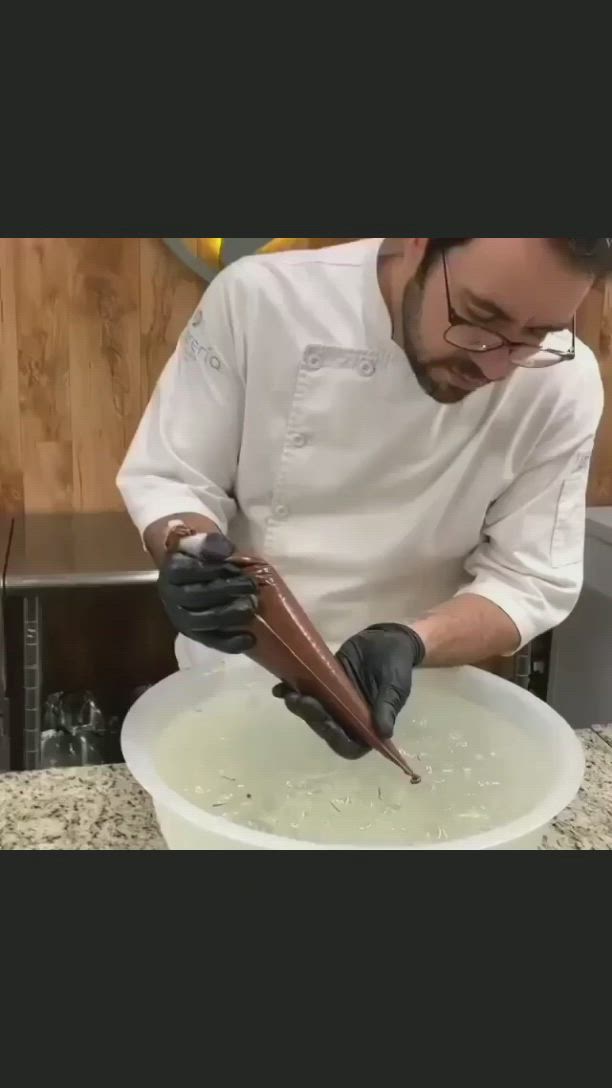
(209, 599)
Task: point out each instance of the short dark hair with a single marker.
(593, 255)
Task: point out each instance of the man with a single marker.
(404, 428)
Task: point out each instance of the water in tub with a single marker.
(243, 757)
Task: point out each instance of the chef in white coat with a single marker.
(403, 427)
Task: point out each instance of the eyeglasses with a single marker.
(461, 334)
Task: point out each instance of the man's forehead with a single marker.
(527, 278)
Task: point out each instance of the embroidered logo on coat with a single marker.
(198, 352)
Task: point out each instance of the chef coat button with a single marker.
(366, 368)
(281, 512)
(314, 362)
(299, 440)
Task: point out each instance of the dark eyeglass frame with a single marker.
(456, 321)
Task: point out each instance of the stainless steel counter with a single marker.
(50, 551)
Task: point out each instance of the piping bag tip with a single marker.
(392, 753)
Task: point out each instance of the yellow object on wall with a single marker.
(207, 256)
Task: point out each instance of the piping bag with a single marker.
(287, 644)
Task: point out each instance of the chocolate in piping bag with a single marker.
(289, 647)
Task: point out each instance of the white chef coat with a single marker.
(289, 416)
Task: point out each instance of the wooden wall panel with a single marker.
(105, 367)
(86, 325)
(41, 303)
(11, 477)
(169, 294)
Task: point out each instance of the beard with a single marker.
(433, 375)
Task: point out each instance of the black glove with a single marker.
(379, 661)
(209, 599)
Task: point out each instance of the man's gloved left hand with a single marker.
(379, 661)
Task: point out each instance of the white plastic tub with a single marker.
(187, 827)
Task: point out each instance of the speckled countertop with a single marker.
(103, 808)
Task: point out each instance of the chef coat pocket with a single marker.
(570, 520)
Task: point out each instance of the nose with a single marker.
(495, 365)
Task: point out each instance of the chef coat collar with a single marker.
(377, 318)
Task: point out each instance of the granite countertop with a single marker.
(104, 808)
